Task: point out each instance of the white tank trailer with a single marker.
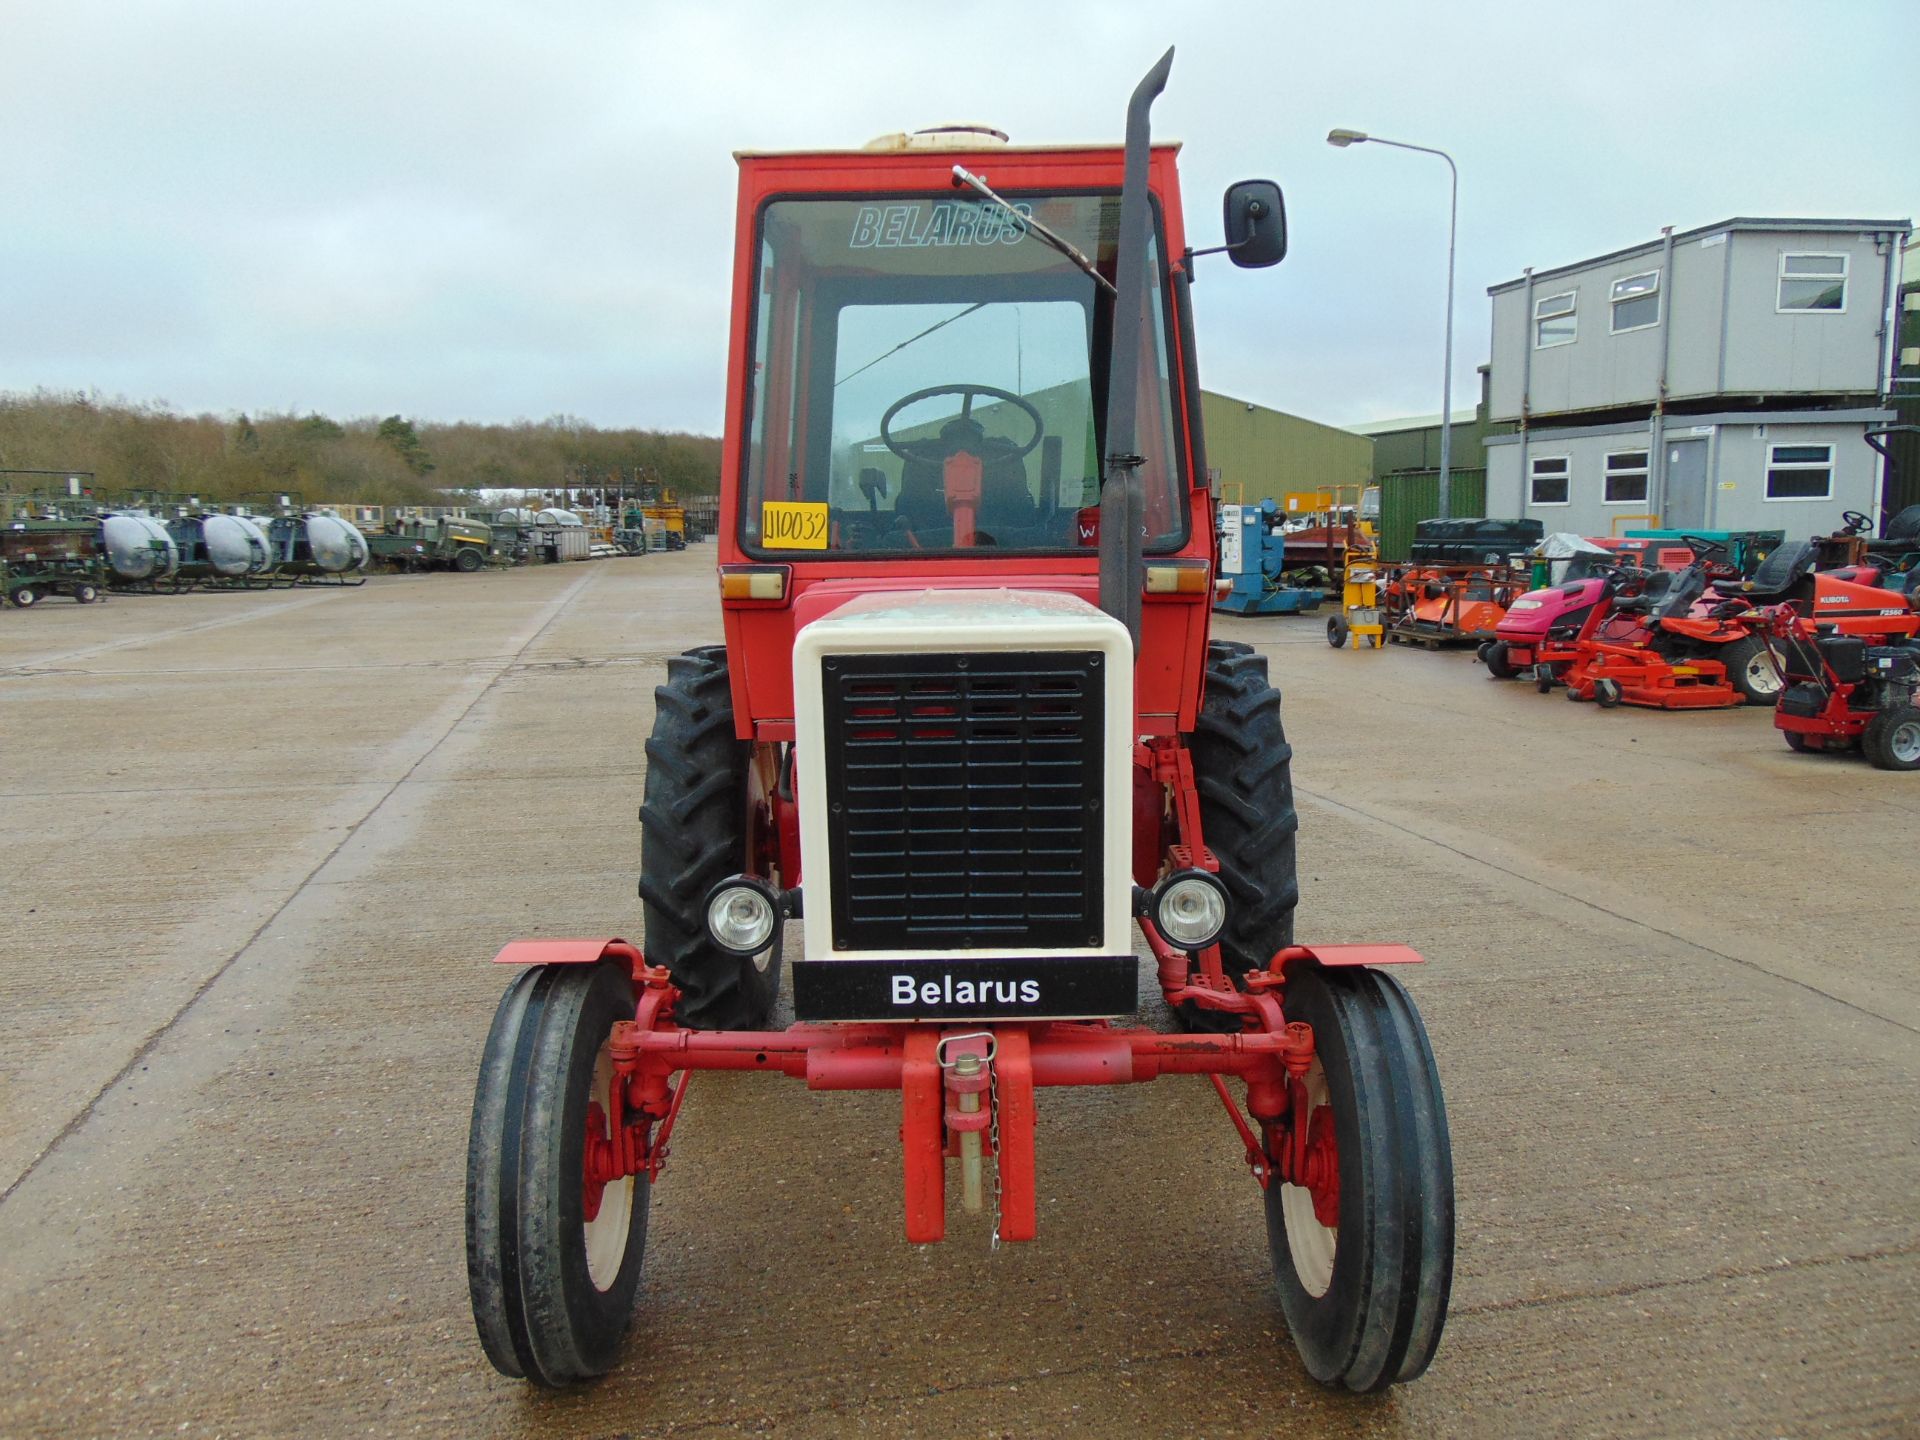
(319, 548)
(138, 547)
(227, 550)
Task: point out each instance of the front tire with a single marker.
(1892, 739)
(24, 596)
(1366, 1299)
(1498, 662)
(1336, 632)
(1243, 768)
(693, 834)
(85, 594)
(468, 561)
(552, 1292)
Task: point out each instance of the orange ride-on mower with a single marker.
(1847, 691)
(968, 694)
(1633, 647)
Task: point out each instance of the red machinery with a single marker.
(1858, 689)
(1432, 605)
(1613, 657)
(966, 554)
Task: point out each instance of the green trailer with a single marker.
(46, 557)
(441, 544)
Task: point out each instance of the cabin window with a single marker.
(1626, 482)
(1554, 320)
(1813, 282)
(1636, 302)
(1799, 472)
(1548, 480)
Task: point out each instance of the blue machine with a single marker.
(1253, 556)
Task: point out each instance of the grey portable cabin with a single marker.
(1718, 378)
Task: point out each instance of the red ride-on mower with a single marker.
(1639, 644)
(1852, 690)
(972, 699)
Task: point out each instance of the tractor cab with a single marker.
(923, 382)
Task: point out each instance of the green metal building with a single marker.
(1406, 467)
(1263, 454)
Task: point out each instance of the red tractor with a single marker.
(967, 696)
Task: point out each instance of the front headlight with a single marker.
(1190, 909)
(741, 915)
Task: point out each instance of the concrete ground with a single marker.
(260, 848)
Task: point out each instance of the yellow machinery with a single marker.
(1359, 615)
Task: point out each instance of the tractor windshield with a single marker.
(927, 376)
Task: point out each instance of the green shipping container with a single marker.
(1410, 496)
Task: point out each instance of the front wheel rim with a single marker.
(1310, 1245)
(1762, 676)
(605, 1232)
(1905, 742)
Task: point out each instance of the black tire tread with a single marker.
(692, 836)
(538, 1315)
(1876, 741)
(1243, 769)
(1394, 1265)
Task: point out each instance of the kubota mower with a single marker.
(968, 696)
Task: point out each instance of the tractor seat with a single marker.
(1006, 504)
(1905, 525)
(1785, 568)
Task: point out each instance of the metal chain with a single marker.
(993, 1132)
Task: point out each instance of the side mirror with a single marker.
(1255, 220)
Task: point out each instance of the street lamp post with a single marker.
(1340, 139)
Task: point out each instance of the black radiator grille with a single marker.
(963, 798)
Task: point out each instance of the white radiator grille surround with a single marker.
(966, 621)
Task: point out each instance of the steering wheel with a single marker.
(936, 450)
(1702, 547)
(1856, 523)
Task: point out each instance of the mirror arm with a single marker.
(1191, 254)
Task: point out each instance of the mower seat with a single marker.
(1785, 568)
(1665, 594)
(1904, 526)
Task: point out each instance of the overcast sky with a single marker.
(495, 209)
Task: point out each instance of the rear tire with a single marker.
(1892, 739)
(1797, 742)
(24, 597)
(1366, 1300)
(693, 834)
(552, 1292)
(468, 561)
(85, 594)
(1243, 769)
(1753, 669)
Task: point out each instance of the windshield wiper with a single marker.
(1031, 226)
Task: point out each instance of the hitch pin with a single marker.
(965, 1082)
(967, 1066)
